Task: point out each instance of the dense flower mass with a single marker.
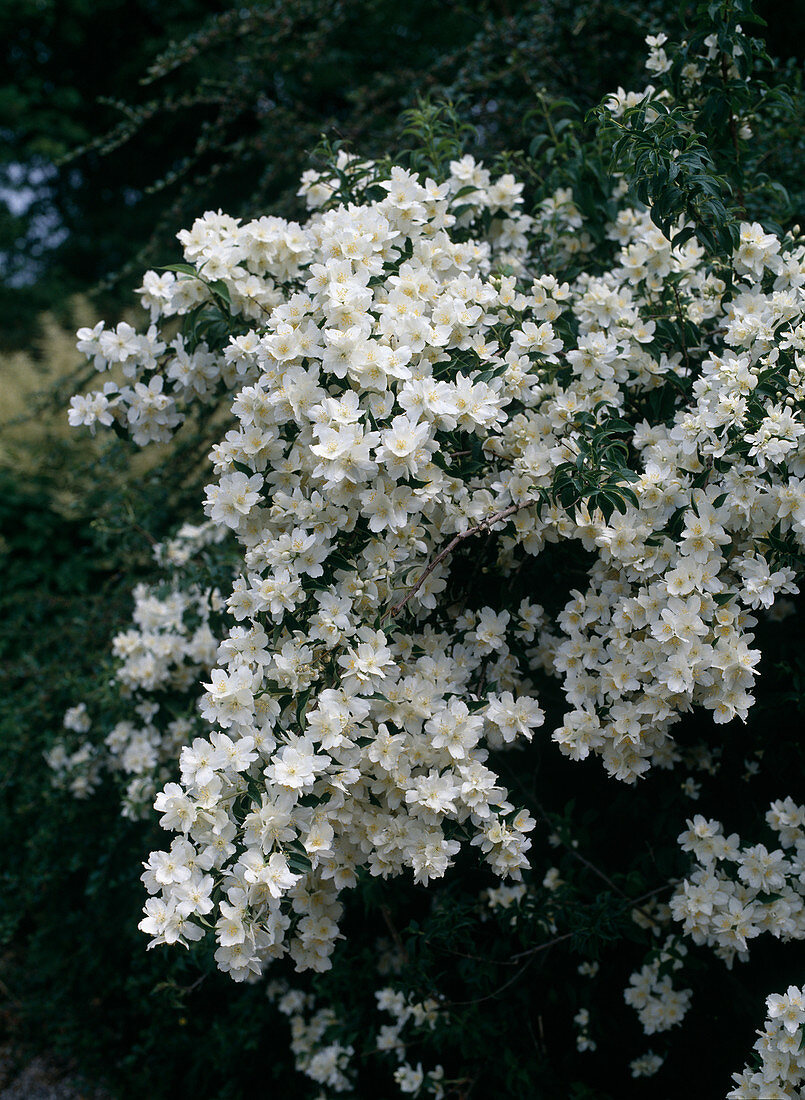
(405, 381)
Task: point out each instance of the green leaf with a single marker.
(181, 269)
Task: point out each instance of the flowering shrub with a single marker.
(424, 394)
(168, 647)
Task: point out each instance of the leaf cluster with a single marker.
(597, 478)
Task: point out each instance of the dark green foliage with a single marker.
(228, 110)
(598, 477)
(75, 977)
(694, 159)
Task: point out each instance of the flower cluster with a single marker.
(391, 748)
(422, 770)
(646, 1065)
(77, 770)
(402, 384)
(403, 1011)
(164, 652)
(780, 1073)
(651, 991)
(736, 893)
(584, 1041)
(327, 1062)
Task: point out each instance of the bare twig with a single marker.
(395, 935)
(146, 534)
(543, 946)
(681, 317)
(733, 124)
(596, 871)
(511, 981)
(634, 902)
(484, 525)
(583, 859)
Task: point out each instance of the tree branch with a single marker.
(484, 525)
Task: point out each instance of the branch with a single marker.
(633, 902)
(681, 316)
(582, 859)
(596, 870)
(511, 981)
(543, 946)
(484, 525)
(395, 935)
(739, 194)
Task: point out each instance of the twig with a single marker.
(395, 935)
(484, 525)
(681, 328)
(511, 981)
(146, 534)
(583, 859)
(543, 946)
(194, 985)
(739, 193)
(597, 871)
(479, 958)
(567, 935)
